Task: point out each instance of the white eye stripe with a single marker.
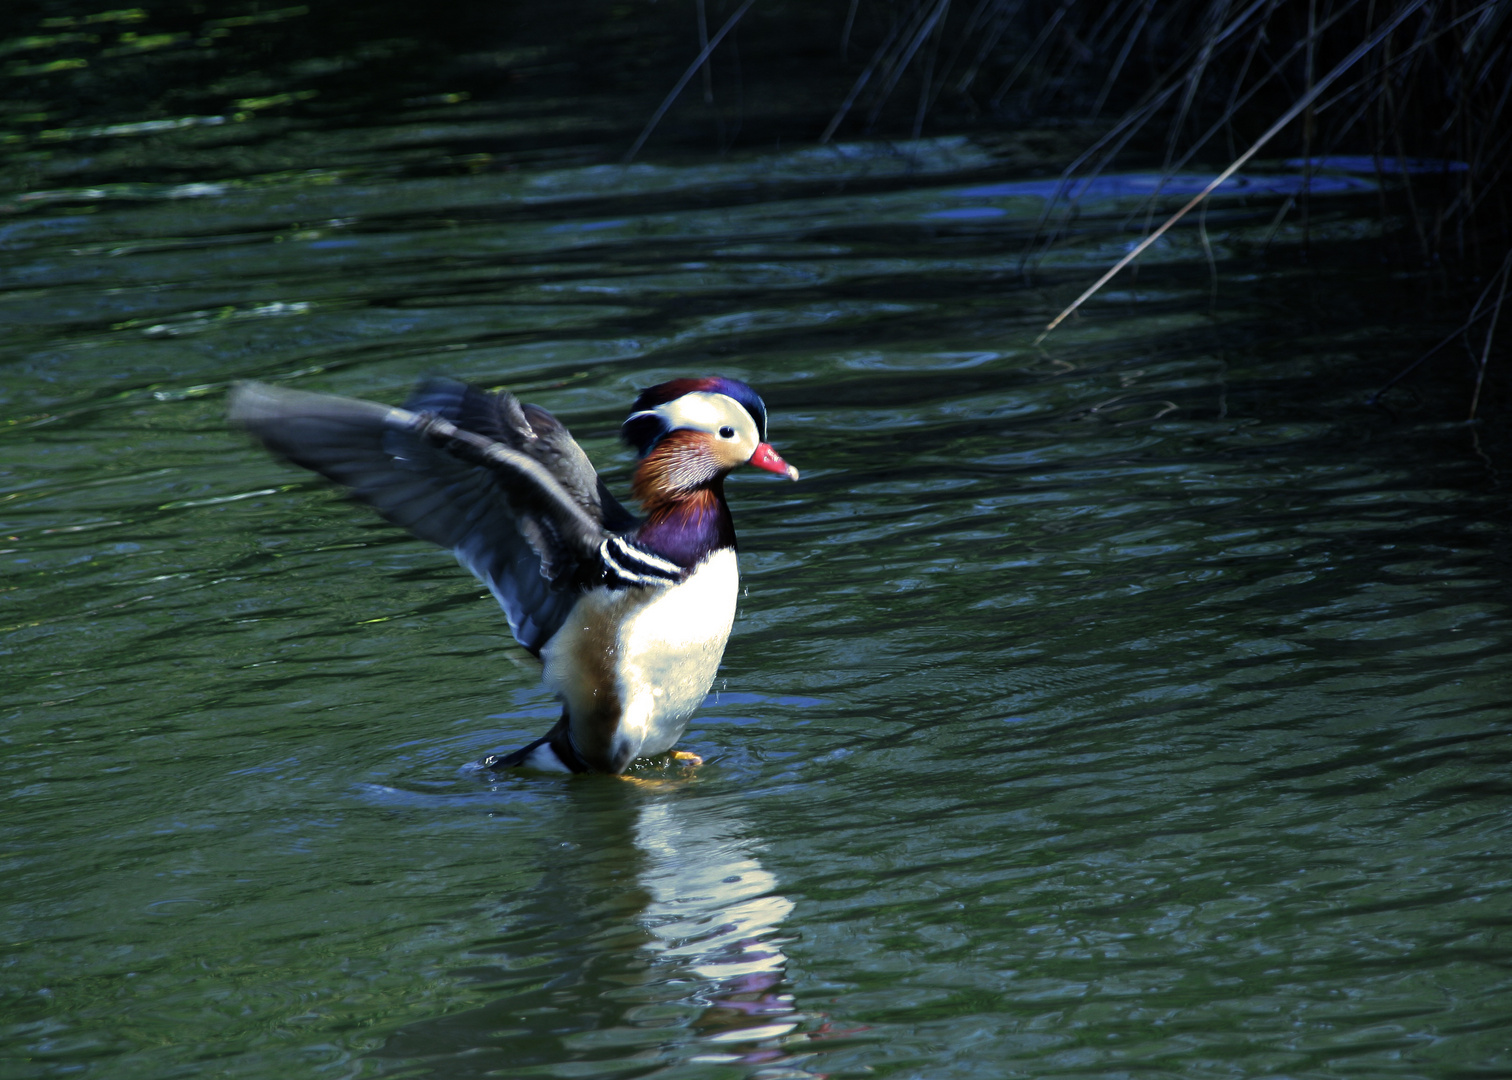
(703, 410)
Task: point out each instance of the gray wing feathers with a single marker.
(529, 430)
(556, 449)
(505, 515)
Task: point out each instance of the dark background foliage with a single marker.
(1421, 87)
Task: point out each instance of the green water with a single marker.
(1131, 704)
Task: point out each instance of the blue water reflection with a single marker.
(1332, 176)
(1147, 185)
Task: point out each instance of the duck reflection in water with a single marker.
(715, 912)
(652, 939)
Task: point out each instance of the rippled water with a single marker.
(1135, 702)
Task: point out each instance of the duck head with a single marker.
(692, 432)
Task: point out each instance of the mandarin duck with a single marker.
(628, 616)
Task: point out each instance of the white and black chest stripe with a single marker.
(626, 564)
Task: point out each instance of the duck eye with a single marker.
(727, 432)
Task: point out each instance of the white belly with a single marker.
(657, 665)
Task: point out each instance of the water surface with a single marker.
(1135, 702)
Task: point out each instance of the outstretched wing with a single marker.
(532, 431)
(502, 510)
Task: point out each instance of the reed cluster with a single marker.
(1405, 81)
(1421, 87)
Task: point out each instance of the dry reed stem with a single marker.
(1291, 114)
(1475, 316)
(687, 77)
(860, 83)
(1480, 374)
